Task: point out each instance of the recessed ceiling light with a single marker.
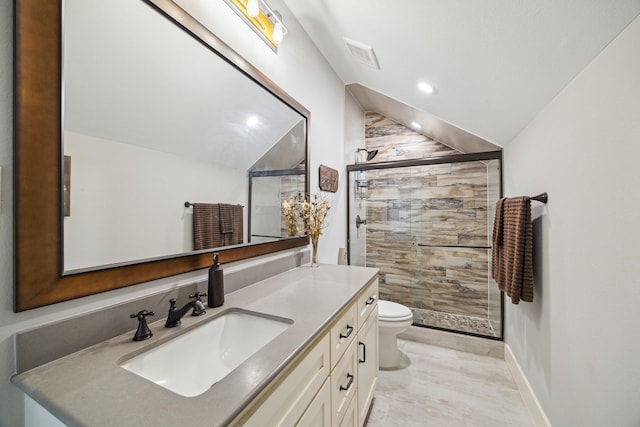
(426, 88)
(416, 125)
(252, 121)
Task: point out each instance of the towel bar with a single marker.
(542, 197)
(188, 204)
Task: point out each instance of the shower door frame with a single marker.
(264, 174)
(427, 161)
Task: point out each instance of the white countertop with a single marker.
(89, 388)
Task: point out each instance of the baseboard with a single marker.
(530, 400)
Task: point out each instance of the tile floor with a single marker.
(447, 388)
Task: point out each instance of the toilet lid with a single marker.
(389, 310)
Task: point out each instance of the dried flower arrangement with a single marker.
(313, 211)
(291, 212)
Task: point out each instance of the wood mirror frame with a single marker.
(38, 158)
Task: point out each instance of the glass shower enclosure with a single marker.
(426, 225)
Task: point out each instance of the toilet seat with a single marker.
(389, 311)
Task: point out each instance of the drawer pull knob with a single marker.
(370, 301)
(364, 352)
(349, 330)
(348, 386)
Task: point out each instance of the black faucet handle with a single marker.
(172, 303)
(198, 296)
(143, 332)
(198, 307)
(142, 314)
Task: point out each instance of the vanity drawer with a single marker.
(286, 404)
(367, 302)
(343, 332)
(318, 414)
(344, 384)
(350, 414)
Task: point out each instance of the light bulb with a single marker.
(252, 121)
(426, 88)
(253, 8)
(278, 33)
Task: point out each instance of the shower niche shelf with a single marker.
(361, 188)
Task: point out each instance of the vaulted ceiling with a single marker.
(494, 63)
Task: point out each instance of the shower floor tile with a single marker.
(447, 388)
(454, 322)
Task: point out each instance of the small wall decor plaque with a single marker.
(328, 179)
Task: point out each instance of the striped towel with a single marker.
(216, 225)
(231, 224)
(512, 257)
(206, 226)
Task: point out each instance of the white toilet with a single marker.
(393, 318)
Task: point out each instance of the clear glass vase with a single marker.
(314, 251)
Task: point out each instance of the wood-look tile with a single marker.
(427, 205)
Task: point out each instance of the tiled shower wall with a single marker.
(414, 216)
(396, 142)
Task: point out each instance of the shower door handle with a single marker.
(360, 221)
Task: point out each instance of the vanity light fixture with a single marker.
(253, 8)
(264, 21)
(278, 28)
(427, 88)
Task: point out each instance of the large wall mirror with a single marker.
(130, 116)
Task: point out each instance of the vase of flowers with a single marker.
(291, 212)
(313, 211)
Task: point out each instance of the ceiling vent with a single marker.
(362, 53)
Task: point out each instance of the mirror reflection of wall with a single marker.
(128, 201)
(153, 119)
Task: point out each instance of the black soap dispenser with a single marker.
(215, 290)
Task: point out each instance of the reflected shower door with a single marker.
(267, 191)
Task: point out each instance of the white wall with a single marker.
(298, 68)
(354, 139)
(579, 342)
(149, 218)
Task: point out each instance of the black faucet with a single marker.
(143, 332)
(174, 316)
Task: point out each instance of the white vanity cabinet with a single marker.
(344, 383)
(355, 370)
(321, 372)
(318, 414)
(289, 401)
(333, 384)
(367, 363)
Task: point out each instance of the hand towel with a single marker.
(512, 256)
(206, 226)
(231, 224)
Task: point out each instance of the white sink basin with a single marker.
(194, 361)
